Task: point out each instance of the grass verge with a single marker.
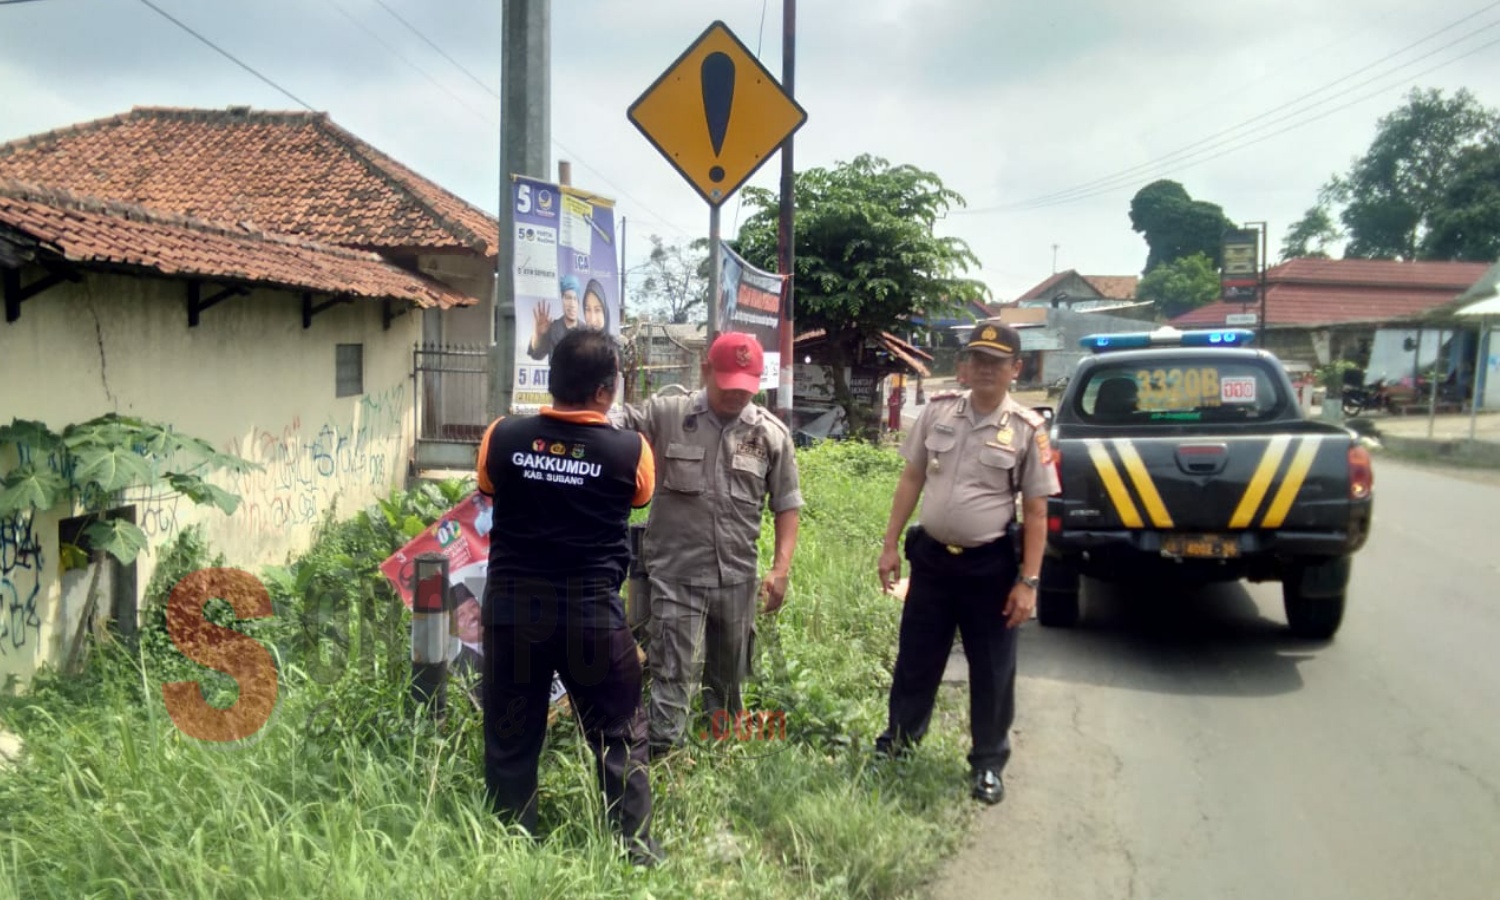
(346, 793)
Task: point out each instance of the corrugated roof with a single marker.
(90, 232)
(292, 173)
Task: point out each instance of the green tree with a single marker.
(1175, 225)
(867, 256)
(675, 281)
(1395, 193)
(1181, 285)
(1310, 235)
(1466, 225)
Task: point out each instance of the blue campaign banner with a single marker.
(566, 274)
(750, 301)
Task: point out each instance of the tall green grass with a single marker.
(349, 793)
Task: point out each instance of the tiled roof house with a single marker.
(1309, 293)
(292, 173)
(241, 277)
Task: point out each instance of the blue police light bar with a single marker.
(1167, 336)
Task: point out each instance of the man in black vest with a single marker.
(564, 483)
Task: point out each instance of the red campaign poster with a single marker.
(462, 534)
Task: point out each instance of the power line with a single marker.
(1208, 143)
(226, 54)
(619, 192)
(1265, 137)
(402, 58)
(456, 64)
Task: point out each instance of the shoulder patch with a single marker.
(1031, 417)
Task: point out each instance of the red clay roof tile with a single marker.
(92, 232)
(292, 173)
(1308, 292)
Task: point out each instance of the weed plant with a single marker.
(351, 792)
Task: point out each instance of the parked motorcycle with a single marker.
(1371, 397)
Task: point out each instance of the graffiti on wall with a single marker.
(303, 469)
(20, 583)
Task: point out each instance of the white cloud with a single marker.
(1004, 104)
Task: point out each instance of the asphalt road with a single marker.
(1184, 746)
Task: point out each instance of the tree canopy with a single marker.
(1181, 285)
(1175, 225)
(675, 281)
(867, 253)
(1424, 189)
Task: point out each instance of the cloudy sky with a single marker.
(1046, 117)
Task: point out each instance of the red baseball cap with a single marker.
(736, 361)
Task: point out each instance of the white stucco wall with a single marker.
(249, 379)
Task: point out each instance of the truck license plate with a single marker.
(1204, 546)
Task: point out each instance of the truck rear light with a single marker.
(1361, 473)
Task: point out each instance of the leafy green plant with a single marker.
(89, 467)
(92, 463)
(348, 792)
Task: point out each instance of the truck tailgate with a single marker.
(1207, 483)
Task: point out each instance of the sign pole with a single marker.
(715, 272)
(786, 247)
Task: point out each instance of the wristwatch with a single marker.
(1031, 581)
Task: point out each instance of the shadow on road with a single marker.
(1210, 640)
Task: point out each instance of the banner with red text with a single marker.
(750, 302)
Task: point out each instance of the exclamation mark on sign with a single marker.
(717, 73)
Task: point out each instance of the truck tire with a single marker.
(1313, 594)
(1057, 603)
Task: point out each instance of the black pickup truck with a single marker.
(1185, 457)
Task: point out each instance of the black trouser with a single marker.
(602, 673)
(967, 592)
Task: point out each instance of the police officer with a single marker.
(564, 483)
(722, 459)
(971, 458)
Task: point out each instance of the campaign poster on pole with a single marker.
(750, 302)
(566, 275)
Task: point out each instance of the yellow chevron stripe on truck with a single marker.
(1144, 486)
(1295, 475)
(1255, 491)
(1119, 495)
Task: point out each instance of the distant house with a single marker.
(258, 280)
(1318, 310)
(1082, 293)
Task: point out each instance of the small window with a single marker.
(349, 370)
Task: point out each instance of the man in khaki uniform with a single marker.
(971, 458)
(720, 458)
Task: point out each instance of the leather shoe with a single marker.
(988, 788)
(888, 748)
(645, 853)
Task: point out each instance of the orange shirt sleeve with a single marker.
(482, 463)
(645, 476)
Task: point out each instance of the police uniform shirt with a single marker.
(974, 464)
(714, 479)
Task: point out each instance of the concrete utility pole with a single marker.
(525, 138)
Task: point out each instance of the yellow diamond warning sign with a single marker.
(716, 114)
